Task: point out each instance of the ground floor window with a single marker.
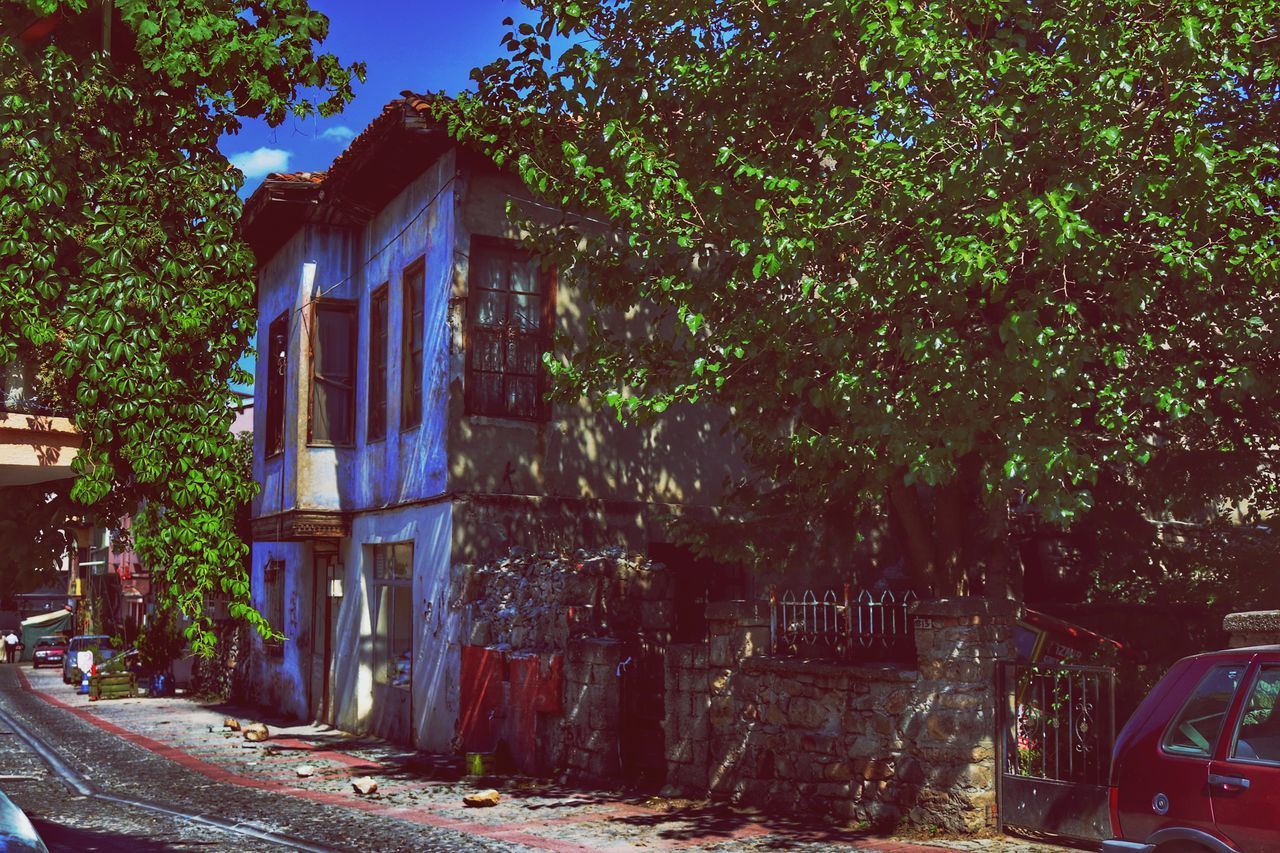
(393, 613)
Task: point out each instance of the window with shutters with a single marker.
(509, 323)
(277, 369)
(376, 423)
(411, 341)
(333, 373)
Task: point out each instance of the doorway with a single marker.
(325, 573)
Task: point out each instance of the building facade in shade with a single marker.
(401, 428)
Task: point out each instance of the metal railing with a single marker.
(841, 625)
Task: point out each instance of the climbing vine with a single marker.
(121, 270)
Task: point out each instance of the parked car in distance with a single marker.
(49, 651)
(1197, 767)
(101, 646)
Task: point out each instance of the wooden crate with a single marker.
(115, 685)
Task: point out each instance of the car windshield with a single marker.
(50, 641)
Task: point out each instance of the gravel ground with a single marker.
(418, 805)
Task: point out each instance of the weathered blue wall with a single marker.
(315, 260)
(417, 224)
(407, 465)
(425, 715)
(280, 681)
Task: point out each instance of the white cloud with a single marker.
(339, 133)
(259, 162)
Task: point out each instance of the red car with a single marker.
(49, 651)
(1197, 767)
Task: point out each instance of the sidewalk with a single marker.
(429, 791)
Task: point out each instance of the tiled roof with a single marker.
(297, 177)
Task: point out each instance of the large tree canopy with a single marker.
(941, 257)
(121, 270)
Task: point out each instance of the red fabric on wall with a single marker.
(480, 714)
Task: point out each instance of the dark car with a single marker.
(100, 644)
(1197, 767)
(49, 651)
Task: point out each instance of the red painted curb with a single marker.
(515, 832)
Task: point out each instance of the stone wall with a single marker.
(881, 745)
(1252, 628)
(591, 709)
(538, 601)
(688, 722)
(874, 744)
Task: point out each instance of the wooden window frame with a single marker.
(350, 308)
(411, 380)
(379, 368)
(547, 285)
(277, 385)
(396, 586)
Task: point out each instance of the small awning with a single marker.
(46, 618)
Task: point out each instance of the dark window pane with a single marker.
(333, 344)
(522, 396)
(277, 368)
(486, 350)
(526, 311)
(411, 344)
(507, 331)
(332, 369)
(488, 269)
(491, 307)
(525, 355)
(377, 424)
(1258, 738)
(1196, 728)
(524, 275)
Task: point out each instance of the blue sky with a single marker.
(423, 45)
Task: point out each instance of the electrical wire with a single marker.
(320, 293)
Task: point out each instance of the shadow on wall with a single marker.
(876, 744)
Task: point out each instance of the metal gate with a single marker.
(1055, 729)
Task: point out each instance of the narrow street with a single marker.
(161, 780)
(69, 821)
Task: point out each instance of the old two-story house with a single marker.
(402, 429)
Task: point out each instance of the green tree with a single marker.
(121, 269)
(939, 259)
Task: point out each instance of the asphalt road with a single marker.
(68, 821)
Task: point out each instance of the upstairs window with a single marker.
(508, 329)
(332, 373)
(411, 347)
(377, 417)
(277, 368)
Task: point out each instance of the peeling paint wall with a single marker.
(315, 260)
(426, 714)
(279, 680)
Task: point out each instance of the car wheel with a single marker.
(1182, 847)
